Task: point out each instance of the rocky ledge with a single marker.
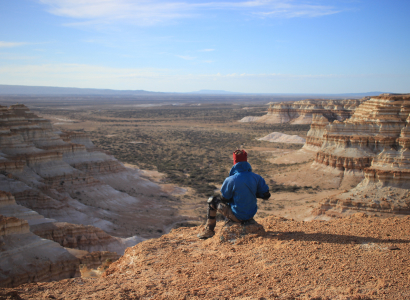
(358, 257)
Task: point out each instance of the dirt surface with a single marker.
(358, 257)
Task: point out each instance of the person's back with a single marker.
(239, 192)
(243, 186)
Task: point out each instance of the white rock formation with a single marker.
(249, 119)
(278, 137)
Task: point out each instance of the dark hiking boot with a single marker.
(206, 234)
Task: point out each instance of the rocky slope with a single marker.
(373, 145)
(302, 112)
(27, 257)
(61, 175)
(68, 191)
(353, 258)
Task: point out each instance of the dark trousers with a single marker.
(224, 209)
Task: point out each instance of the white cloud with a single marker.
(146, 12)
(289, 11)
(186, 57)
(206, 50)
(11, 44)
(140, 12)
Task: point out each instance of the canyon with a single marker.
(64, 202)
(343, 195)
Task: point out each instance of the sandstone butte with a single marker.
(357, 257)
(64, 203)
(302, 112)
(373, 147)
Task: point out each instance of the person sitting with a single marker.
(238, 195)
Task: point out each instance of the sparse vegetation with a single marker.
(192, 145)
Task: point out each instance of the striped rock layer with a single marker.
(302, 112)
(63, 202)
(375, 144)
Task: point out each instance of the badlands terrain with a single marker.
(85, 178)
(302, 112)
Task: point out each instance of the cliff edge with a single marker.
(358, 257)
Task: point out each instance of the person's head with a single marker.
(239, 155)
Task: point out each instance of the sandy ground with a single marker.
(316, 175)
(341, 259)
(297, 206)
(293, 156)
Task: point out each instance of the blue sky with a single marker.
(255, 46)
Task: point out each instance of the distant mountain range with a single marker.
(214, 92)
(64, 91)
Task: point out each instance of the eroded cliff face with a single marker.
(25, 257)
(79, 199)
(374, 145)
(63, 176)
(28, 253)
(83, 237)
(314, 138)
(302, 112)
(378, 124)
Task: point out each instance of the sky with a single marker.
(249, 46)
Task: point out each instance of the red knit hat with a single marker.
(239, 155)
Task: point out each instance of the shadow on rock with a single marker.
(329, 238)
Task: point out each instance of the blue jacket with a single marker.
(242, 187)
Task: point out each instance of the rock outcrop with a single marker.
(83, 237)
(302, 112)
(378, 124)
(278, 137)
(314, 138)
(249, 119)
(25, 257)
(374, 145)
